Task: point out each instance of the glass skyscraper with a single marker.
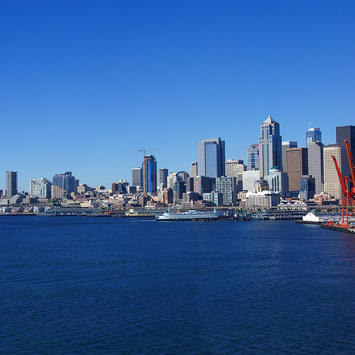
(270, 154)
(211, 157)
(149, 172)
(313, 135)
(66, 181)
(253, 157)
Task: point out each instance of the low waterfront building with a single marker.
(262, 199)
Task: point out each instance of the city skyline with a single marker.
(86, 98)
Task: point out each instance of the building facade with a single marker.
(286, 145)
(269, 147)
(194, 169)
(315, 165)
(163, 178)
(348, 133)
(11, 183)
(313, 135)
(211, 157)
(66, 181)
(227, 186)
(307, 187)
(137, 176)
(41, 188)
(203, 184)
(253, 157)
(249, 179)
(277, 181)
(331, 180)
(297, 165)
(149, 172)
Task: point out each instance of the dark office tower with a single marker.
(211, 157)
(315, 165)
(313, 135)
(163, 178)
(194, 169)
(253, 157)
(348, 133)
(286, 145)
(11, 183)
(137, 176)
(270, 154)
(307, 187)
(149, 174)
(66, 181)
(297, 165)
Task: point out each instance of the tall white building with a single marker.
(41, 188)
(331, 180)
(315, 165)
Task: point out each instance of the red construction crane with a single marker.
(348, 192)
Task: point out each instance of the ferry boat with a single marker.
(191, 215)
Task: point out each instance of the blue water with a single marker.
(105, 285)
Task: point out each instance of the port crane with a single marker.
(348, 188)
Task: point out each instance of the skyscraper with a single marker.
(66, 181)
(286, 145)
(137, 176)
(163, 176)
(348, 133)
(313, 135)
(331, 181)
(270, 155)
(315, 164)
(297, 165)
(211, 157)
(11, 183)
(194, 169)
(149, 172)
(41, 188)
(253, 157)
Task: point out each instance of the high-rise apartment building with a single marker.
(211, 157)
(348, 133)
(286, 145)
(41, 188)
(313, 135)
(137, 176)
(227, 186)
(253, 157)
(149, 172)
(11, 183)
(66, 181)
(331, 180)
(315, 164)
(163, 178)
(194, 169)
(270, 154)
(297, 165)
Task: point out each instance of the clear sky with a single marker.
(85, 84)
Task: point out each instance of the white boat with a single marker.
(191, 215)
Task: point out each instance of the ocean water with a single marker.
(80, 285)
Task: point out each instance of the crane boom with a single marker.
(351, 161)
(341, 180)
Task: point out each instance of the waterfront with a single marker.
(112, 285)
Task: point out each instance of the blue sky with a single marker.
(85, 84)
